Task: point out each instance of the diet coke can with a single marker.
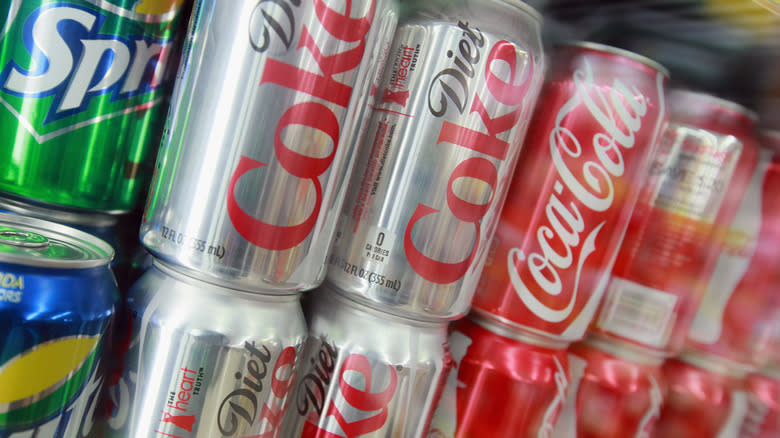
(576, 183)
(693, 189)
(704, 399)
(762, 419)
(204, 361)
(423, 202)
(500, 386)
(614, 392)
(741, 294)
(259, 141)
(366, 373)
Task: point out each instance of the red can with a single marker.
(501, 386)
(762, 419)
(739, 299)
(614, 392)
(698, 177)
(702, 399)
(576, 183)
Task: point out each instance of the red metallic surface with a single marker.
(577, 180)
(506, 388)
(751, 304)
(697, 402)
(616, 397)
(763, 416)
(671, 247)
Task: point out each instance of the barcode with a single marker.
(639, 313)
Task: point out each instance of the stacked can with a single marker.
(695, 184)
(455, 100)
(240, 215)
(762, 419)
(614, 392)
(57, 297)
(703, 399)
(741, 295)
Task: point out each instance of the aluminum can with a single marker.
(261, 137)
(204, 361)
(430, 181)
(57, 296)
(740, 296)
(614, 392)
(84, 86)
(762, 419)
(704, 399)
(366, 373)
(692, 192)
(575, 185)
(501, 386)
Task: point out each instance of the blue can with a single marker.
(57, 297)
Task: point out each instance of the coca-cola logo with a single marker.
(355, 409)
(451, 85)
(233, 414)
(566, 241)
(509, 91)
(647, 423)
(554, 409)
(305, 114)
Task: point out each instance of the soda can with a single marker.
(697, 179)
(365, 372)
(740, 296)
(84, 86)
(57, 296)
(576, 183)
(261, 137)
(440, 149)
(203, 360)
(704, 399)
(762, 419)
(614, 392)
(501, 386)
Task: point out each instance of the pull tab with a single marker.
(23, 239)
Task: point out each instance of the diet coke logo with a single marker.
(566, 241)
(307, 114)
(493, 151)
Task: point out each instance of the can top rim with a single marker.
(600, 47)
(36, 242)
(70, 217)
(714, 364)
(723, 103)
(525, 7)
(624, 351)
(517, 335)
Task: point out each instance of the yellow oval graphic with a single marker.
(157, 7)
(43, 367)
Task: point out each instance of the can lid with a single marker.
(694, 99)
(714, 364)
(770, 139)
(512, 333)
(525, 7)
(625, 351)
(36, 242)
(70, 217)
(599, 47)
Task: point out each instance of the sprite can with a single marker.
(83, 97)
(57, 296)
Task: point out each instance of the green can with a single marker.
(84, 91)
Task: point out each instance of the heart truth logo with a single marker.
(181, 421)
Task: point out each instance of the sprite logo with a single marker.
(81, 64)
(50, 389)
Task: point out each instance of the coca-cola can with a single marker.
(762, 419)
(457, 93)
(204, 361)
(260, 138)
(614, 392)
(365, 373)
(693, 188)
(576, 183)
(741, 293)
(704, 399)
(501, 386)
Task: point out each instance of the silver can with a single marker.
(426, 193)
(366, 373)
(204, 361)
(259, 141)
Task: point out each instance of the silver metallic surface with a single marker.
(461, 80)
(204, 361)
(366, 373)
(260, 138)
